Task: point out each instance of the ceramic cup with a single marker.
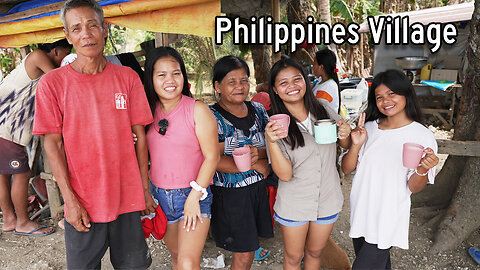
(412, 154)
(325, 131)
(243, 158)
(282, 119)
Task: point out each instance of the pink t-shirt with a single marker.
(176, 157)
(94, 113)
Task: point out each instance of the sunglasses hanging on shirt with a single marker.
(162, 126)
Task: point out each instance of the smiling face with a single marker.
(388, 102)
(290, 85)
(234, 87)
(85, 31)
(167, 78)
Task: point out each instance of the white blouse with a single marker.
(380, 197)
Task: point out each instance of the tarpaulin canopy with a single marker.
(446, 14)
(39, 21)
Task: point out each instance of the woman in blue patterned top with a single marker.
(240, 210)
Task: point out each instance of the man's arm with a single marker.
(37, 64)
(75, 213)
(142, 158)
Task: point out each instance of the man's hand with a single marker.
(77, 216)
(150, 204)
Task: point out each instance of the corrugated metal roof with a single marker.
(446, 14)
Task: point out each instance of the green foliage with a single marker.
(364, 8)
(123, 38)
(8, 60)
(200, 54)
(340, 7)
(116, 34)
(358, 13)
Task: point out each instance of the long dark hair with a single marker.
(152, 58)
(398, 82)
(48, 47)
(328, 59)
(313, 106)
(226, 64)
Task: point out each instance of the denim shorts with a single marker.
(292, 223)
(172, 202)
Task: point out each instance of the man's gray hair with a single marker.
(81, 3)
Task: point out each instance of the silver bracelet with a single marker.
(199, 188)
(422, 174)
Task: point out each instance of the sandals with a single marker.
(32, 232)
(257, 254)
(475, 254)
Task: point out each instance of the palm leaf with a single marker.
(339, 7)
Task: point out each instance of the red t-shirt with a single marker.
(94, 113)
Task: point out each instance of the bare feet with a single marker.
(9, 223)
(30, 227)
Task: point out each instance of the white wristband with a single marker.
(199, 188)
(421, 174)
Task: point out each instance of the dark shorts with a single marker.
(172, 202)
(369, 256)
(13, 158)
(124, 236)
(240, 216)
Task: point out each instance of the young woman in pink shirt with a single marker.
(183, 148)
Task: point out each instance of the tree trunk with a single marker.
(297, 12)
(261, 62)
(463, 214)
(445, 186)
(324, 11)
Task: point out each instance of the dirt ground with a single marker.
(42, 253)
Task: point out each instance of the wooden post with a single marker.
(158, 40)
(459, 148)
(275, 6)
(362, 56)
(24, 51)
(56, 207)
(161, 39)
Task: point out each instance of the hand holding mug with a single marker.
(253, 153)
(429, 161)
(344, 129)
(274, 132)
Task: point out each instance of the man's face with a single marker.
(85, 32)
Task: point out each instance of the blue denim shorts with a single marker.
(172, 201)
(292, 223)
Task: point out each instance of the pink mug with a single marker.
(281, 119)
(243, 158)
(412, 154)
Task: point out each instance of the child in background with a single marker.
(325, 69)
(381, 188)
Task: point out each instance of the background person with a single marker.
(327, 86)
(93, 103)
(17, 101)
